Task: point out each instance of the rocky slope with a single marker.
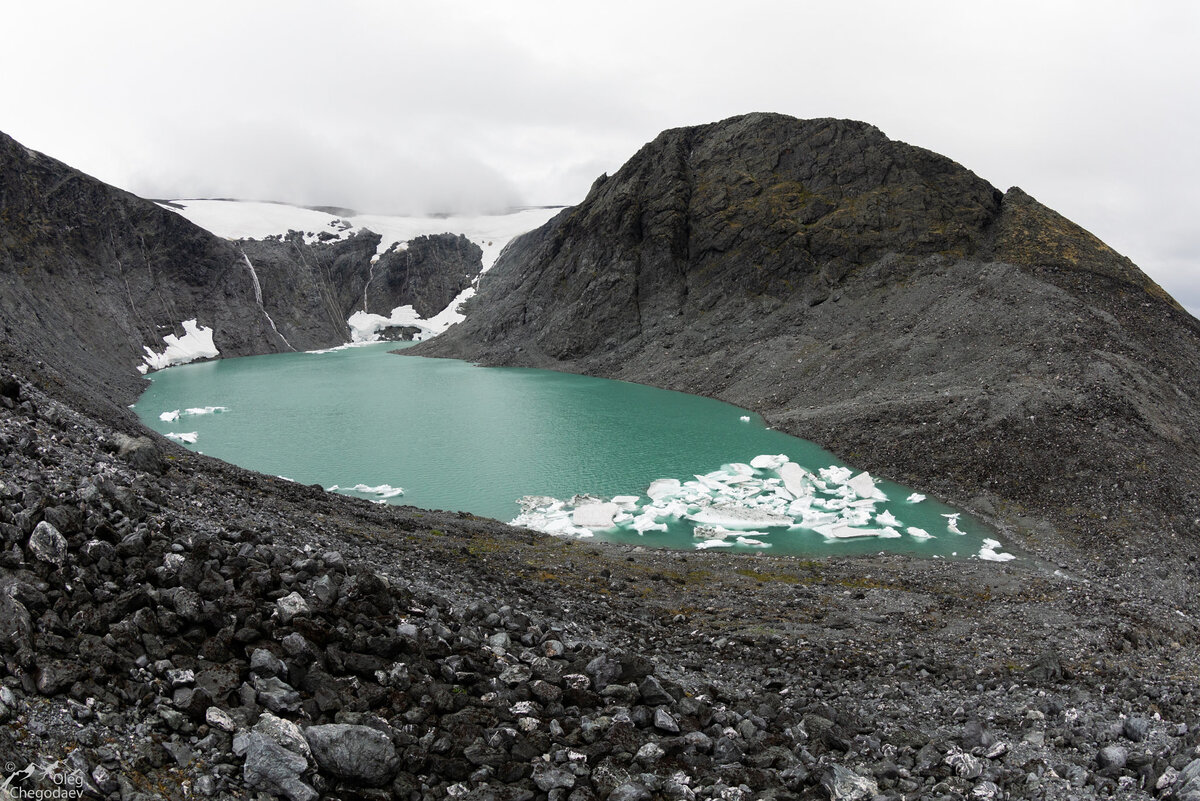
(876, 298)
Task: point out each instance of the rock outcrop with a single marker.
(877, 298)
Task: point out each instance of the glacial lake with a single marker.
(451, 435)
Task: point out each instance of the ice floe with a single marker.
(743, 504)
(189, 437)
(169, 417)
(382, 491)
(196, 343)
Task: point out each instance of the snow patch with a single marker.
(196, 343)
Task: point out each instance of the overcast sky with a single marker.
(1093, 107)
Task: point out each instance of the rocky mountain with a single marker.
(879, 299)
(311, 288)
(92, 275)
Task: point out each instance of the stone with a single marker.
(553, 778)
(357, 753)
(289, 606)
(630, 791)
(140, 453)
(1136, 729)
(284, 732)
(47, 544)
(273, 769)
(1112, 758)
(219, 719)
(664, 721)
(653, 693)
(275, 695)
(843, 784)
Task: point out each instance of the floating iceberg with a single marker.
(594, 515)
(952, 523)
(188, 437)
(919, 533)
(769, 461)
(916, 497)
(169, 417)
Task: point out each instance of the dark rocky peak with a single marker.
(427, 274)
(872, 296)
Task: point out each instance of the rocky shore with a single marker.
(178, 627)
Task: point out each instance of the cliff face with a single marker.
(877, 298)
(91, 274)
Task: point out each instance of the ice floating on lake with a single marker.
(745, 418)
(206, 410)
(737, 505)
(952, 523)
(196, 343)
(990, 552)
(188, 437)
(384, 491)
(169, 417)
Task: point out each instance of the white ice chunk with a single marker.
(737, 517)
(169, 417)
(864, 487)
(740, 469)
(990, 552)
(662, 487)
(916, 497)
(835, 474)
(196, 343)
(919, 533)
(594, 515)
(383, 490)
(753, 543)
(188, 437)
(952, 523)
(205, 410)
(886, 518)
(769, 461)
(627, 502)
(646, 522)
(840, 531)
(796, 479)
(700, 546)
(745, 418)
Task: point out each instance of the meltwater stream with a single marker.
(454, 436)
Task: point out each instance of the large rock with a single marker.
(355, 753)
(274, 769)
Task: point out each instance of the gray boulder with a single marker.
(48, 544)
(356, 753)
(273, 769)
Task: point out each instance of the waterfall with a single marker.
(258, 299)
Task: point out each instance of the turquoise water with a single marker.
(459, 437)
